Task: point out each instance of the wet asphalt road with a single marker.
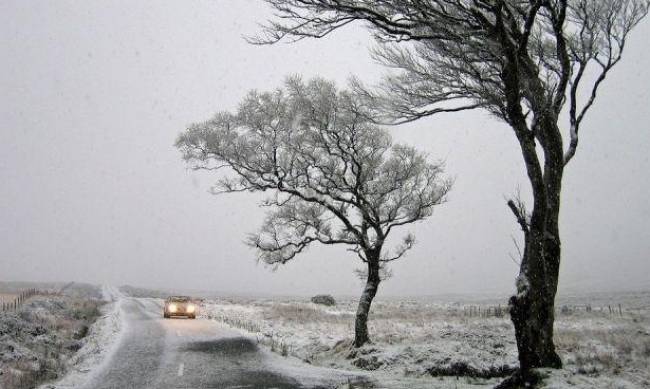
(179, 353)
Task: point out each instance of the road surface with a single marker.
(179, 353)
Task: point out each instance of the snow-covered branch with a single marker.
(334, 176)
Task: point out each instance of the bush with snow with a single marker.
(324, 299)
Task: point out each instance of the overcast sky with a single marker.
(94, 93)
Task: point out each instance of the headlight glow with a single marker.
(172, 308)
(190, 308)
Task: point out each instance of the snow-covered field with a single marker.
(426, 343)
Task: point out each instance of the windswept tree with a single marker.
(536, 65)
(333, 176)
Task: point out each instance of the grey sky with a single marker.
(93, 95)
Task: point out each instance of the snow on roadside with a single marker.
(315, 376)
(423, 345)
(403, 351)
(98, 346)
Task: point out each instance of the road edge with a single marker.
(103, 339)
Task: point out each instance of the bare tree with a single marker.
(537, 65)
(334, 177)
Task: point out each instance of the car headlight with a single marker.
(190, 308)
(172, 308)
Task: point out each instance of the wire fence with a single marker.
(485, 311)
(502, 311)
(610, 309)
(12, 305)
(19, 300)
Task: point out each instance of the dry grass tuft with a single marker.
(597, 351)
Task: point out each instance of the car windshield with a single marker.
(180, 299)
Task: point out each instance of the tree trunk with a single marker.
(533, 308)
(372, 284)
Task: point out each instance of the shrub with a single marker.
(324, 299)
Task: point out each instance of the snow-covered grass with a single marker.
(36, 340)
(421, 343)
(103, 337)
(46, 335)
(412, 341)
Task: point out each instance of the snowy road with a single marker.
(178, 353)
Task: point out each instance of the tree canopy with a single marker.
(335, 177)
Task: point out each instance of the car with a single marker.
(180, 306)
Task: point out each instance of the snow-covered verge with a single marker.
(101, 341)
(49, 335)
(425, 344)
(36, 340)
